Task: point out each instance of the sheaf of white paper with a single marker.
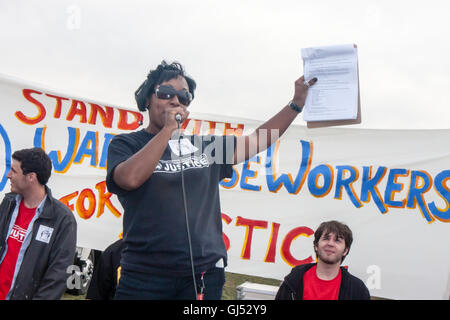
(335, 94)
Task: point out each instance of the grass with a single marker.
(229, 290)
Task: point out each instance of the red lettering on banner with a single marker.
(80, 110)
(272, 247)
(75, 111)
(86, 112)
(123, 120)
(250, 225)
(106, 115)
(41, 109)
(286, 246)
(57, 113)
(226, 240)
(271, 253)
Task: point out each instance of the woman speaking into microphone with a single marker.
(168, 186)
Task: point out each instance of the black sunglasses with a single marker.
(167, 92)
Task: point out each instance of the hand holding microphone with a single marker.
(180, 117)
(174, 117)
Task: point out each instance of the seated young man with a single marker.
(326, 279)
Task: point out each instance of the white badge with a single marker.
(186, 147)
(44, 234)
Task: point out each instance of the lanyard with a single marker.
(201, 294)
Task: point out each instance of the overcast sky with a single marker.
(244, 55)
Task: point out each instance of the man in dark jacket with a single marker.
(106, 273)
(326, 279)
(37, 232)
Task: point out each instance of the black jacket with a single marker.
(43, 273)
(351, 287)
(106, 273)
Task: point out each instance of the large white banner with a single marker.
(392, 187)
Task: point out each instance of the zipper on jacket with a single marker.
(5, 229)
(291, 290)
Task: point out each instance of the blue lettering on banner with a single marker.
(7, 153)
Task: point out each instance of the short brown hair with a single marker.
(340, 229)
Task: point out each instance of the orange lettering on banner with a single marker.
(197, 127)
(184, 125)
(87, 195)
(66, 200)
(83, 212)
(104, 200)
(212, 127)
(41, 109)
(233, 131)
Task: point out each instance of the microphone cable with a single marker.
(178, 118)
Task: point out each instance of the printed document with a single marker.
(335, 94)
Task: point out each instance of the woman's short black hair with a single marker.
(164, 72)
(34, 160)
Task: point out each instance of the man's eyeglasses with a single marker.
(167, 92)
